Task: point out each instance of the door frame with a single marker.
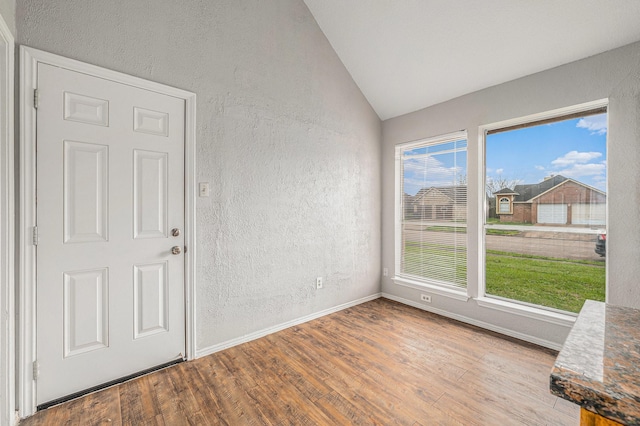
(7, 244)
(29, 60)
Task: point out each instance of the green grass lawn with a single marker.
(439, 228)
(502, 232)
(496, 221)
(461, 230)
(555, 283)
(422, 258)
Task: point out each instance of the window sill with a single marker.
(454, 293)
(540, 314)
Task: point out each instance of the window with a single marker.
(550, 177)
(505, 205)
(431, 241)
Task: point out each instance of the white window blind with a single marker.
(431, 240)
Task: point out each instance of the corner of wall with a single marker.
(8, 13)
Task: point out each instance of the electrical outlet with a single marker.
(425, 298)
(319, 282)
(385, 271)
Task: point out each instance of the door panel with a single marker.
(151, 304)
(86, 109)
(150, 194)
(110, 186)
(85, 189)
(153, 122)
(86, 311)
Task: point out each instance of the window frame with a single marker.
(442, 289)
(508, 203)
(549, 315)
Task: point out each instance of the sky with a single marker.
(573, 148)
(445, 165)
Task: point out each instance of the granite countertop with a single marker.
(598, 367)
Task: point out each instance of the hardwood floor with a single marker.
(376, 363)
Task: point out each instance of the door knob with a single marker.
(176, 250)
(175, 232)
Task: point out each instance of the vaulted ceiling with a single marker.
(409, 54)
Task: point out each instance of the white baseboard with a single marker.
(477, 323)
(266, 331)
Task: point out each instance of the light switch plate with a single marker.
(204, 189)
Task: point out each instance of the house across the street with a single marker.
(556, 200)
(448, 203)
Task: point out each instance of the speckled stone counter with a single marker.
(598, 367)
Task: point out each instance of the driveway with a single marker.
(565, 245)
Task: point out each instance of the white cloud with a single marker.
(575, 157)
(499, 171)
(581, 170)
(436, 174)
(596, 124)
(539, 168)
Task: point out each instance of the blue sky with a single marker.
(573, 148)
(445, 165)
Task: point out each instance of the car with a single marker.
(601, 243)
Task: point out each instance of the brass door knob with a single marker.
(176, 250)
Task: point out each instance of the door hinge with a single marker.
(36, 98)
(36, 370)
(36, 237)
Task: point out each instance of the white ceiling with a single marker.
(409, 54)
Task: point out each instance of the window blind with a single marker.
(431, 244)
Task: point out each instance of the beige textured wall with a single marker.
(285, 137)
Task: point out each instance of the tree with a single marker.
(493, 184)
(496, 183)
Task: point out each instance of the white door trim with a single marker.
(7, 245)
(29, 60)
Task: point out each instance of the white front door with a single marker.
(110, 190)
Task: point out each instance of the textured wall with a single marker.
(289, 144)
(8, 12)
(614, 75)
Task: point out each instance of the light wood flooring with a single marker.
(376, 363)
